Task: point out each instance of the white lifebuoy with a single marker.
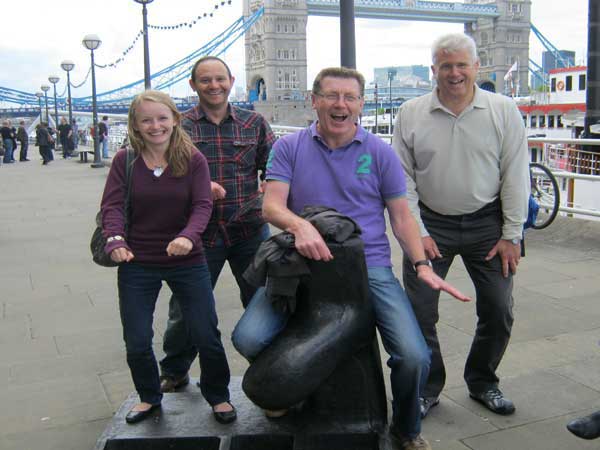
(560, 85)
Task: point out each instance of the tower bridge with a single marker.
(429, 11)
(276, 56)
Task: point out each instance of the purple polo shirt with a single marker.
(356, 180)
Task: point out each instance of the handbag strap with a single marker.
(129, 160)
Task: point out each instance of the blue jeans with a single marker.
(179, 351)
(402, 339)
(138, 290)
(105, 147)
(8, 150)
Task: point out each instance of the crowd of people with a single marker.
(65, 136)
(205, 185)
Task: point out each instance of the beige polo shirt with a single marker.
(458, 164)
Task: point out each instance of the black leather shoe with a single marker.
(226, 416)
(426, 403)
(494, 400)
(137, 416)
(170, 384)
(587, 427)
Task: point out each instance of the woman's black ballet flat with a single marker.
(137, 416)
(225, 417)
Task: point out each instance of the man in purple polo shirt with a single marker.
(336, 163)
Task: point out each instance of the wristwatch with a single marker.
(422, 262)
(515, 241)
(114, 238)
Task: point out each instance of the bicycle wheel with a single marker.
(544, 189)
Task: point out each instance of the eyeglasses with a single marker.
(447, 67)
(333, 97)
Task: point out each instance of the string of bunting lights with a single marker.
(140, 33)
(75, 86)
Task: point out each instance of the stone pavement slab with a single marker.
(63, 372)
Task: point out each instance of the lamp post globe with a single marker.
(46, 88)
(92, 42)
(68, 65)
(54, 79)
(146, 45)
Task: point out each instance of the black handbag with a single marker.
(98, 241)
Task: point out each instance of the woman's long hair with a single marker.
(180, 147)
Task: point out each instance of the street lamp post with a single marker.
(67, 66)
(92, 42)
(391, 75)
(39, 95)
(376, 108)
(146, 49)
(54, 79)
(46, 88)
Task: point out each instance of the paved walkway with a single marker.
(63, 371)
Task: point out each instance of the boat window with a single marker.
(553, 85)
(582, 82)
(569, 83)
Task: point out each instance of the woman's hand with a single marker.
(121, 254)
(180, 246)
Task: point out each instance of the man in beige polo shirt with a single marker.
(464, 151)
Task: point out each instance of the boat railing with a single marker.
(570, 160)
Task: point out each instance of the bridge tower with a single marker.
(501, 42)
(276, 61)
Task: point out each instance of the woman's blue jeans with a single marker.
(139, 286)
(400, 333)
(8, 150)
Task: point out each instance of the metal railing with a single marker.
(570, 160)
(566, 159)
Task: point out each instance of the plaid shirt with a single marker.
(236, 150)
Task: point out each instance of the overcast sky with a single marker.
(38, 35)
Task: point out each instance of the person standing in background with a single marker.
(23, 138)
(7, 140)
(103, 136)
(65, 133)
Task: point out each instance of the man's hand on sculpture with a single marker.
(310, 243)
(428, 276)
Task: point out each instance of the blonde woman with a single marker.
(170, 205)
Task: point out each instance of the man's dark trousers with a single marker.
(471, 236)
(179, 352)
(23, 152)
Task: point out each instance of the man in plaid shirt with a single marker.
(236, 142)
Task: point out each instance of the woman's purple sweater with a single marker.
(162, 208)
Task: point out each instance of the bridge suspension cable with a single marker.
(163, 79)
(550, 47)
(179, 70)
